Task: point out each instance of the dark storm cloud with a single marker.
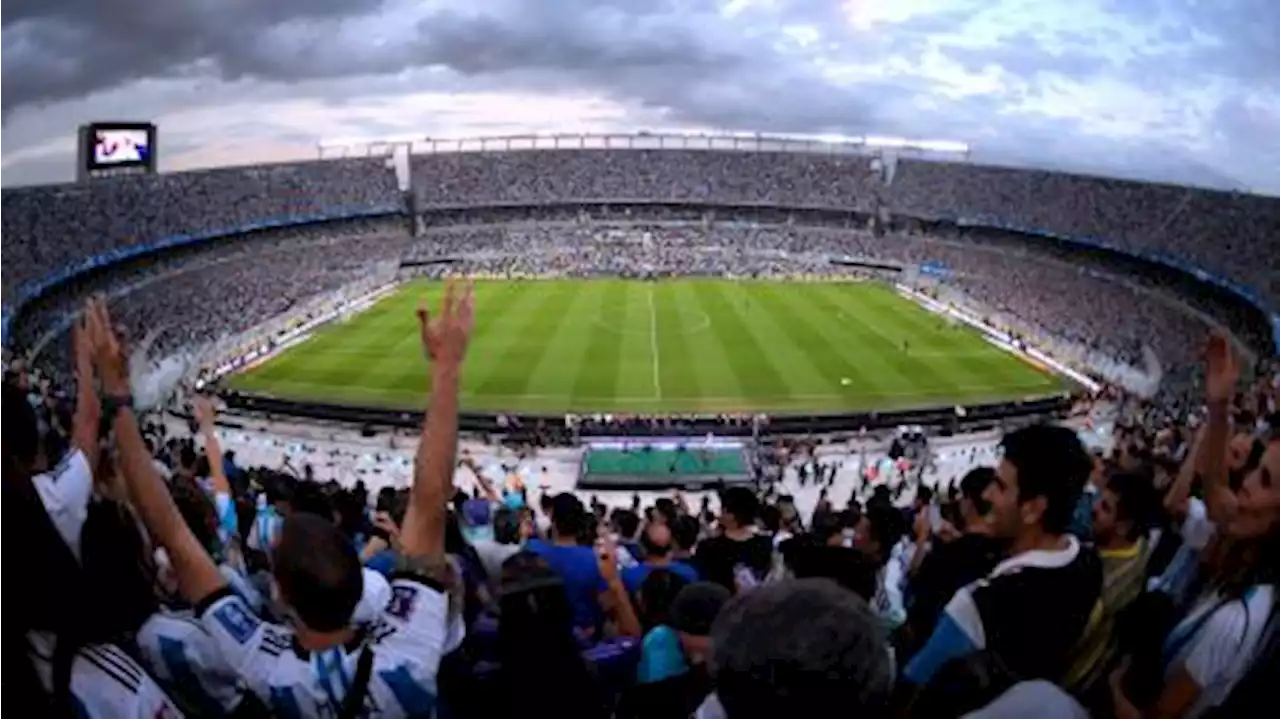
(599, 41)
(1002, 74)
(56, 49)
(683, 58)
(70, 48)
(654, 60)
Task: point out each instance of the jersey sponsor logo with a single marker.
(237, 620)
(403, 598)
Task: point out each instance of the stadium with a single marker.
(652, 274)
(765, 358)
(668, 285)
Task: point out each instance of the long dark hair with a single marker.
(474, 577)
(538, 651)
(101, 598)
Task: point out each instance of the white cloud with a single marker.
(868, 14)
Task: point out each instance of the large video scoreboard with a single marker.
(112, 148)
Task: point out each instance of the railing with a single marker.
(655, 140)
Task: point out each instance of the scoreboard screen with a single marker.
(109, 145)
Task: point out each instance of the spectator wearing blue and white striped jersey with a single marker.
(319, 665)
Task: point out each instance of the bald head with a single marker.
(657, 541)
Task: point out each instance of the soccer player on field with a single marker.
(319, 665)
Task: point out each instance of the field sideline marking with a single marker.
(653, 346)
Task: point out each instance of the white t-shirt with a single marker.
(65, 491)
(492, 554)
(408, 641)
(106, 683)
(1217, 651)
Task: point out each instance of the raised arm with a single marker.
(444, 338)
(88, 413)
(486, 485)
(1175, 500)
(1222, 371)
(195, 571)
(205, 414)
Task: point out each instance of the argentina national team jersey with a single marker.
(186, 657)
(106, 683)
(265, 531)
(407, 640)
(65, 491)
(228, 523)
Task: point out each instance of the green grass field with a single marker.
(688, 345)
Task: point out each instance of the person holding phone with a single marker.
(948, 557)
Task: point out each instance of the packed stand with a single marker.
(181, 301)
(1234, 236)
(1080, 300)
(1135, 582)
(523, 177)
(49, 229)
(187, 297)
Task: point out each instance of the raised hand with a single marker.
(922, 526)
(204, 411)
(1222, 368)
(108, 353)
(383, 521)
(607, 558)
(445, 336)
(82, 345)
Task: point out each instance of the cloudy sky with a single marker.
(1179, 90)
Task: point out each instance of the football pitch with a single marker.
(685, 345)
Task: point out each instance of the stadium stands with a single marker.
(1233, 237)
(1122, 566)
(49, 231)
(752, 197)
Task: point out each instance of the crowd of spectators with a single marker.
(184, 299)
(1079, 300)
(47, 229)
(520, 177)
(161, 578)
(1233, 236)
